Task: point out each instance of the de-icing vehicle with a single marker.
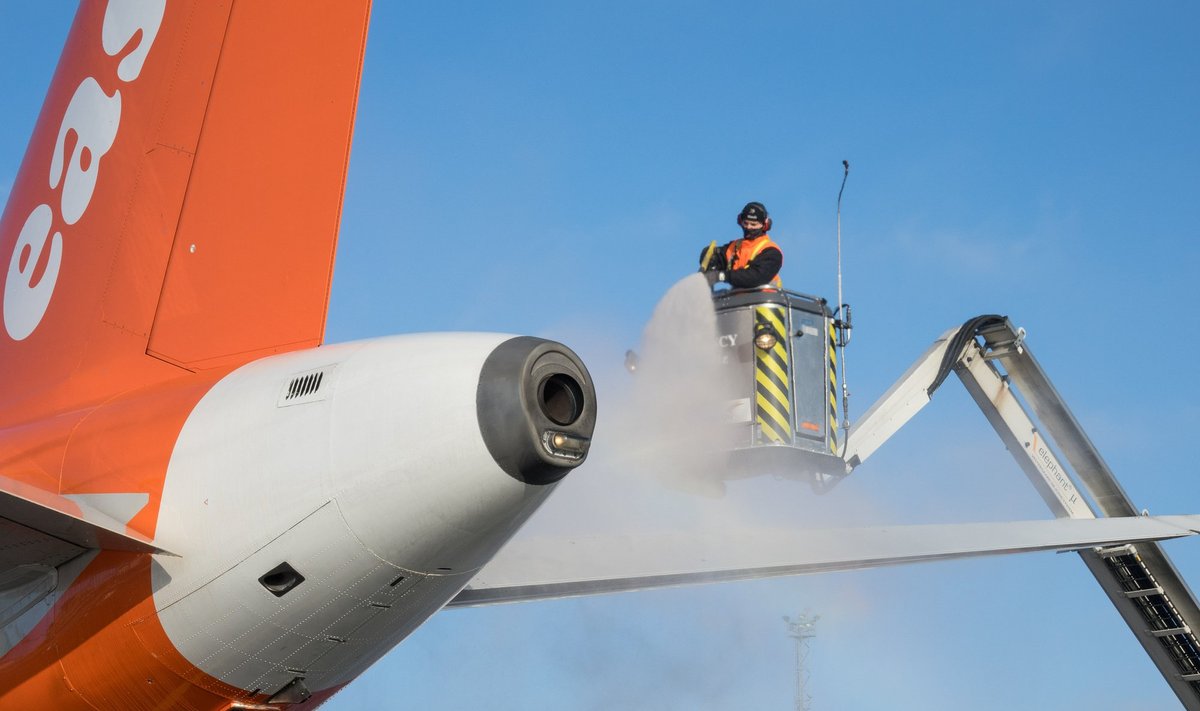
(788, 414)
(781, 349)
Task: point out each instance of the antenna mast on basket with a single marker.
(842, 316)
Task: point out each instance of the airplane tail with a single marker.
(178, 205)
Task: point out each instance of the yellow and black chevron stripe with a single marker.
(832, 428)
(772, 379)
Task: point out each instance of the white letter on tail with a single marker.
(24, 302)
(122, 20)
(94, 116)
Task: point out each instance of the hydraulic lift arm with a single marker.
(991, 359)
(899, 404)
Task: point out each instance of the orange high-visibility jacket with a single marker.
(739, 254)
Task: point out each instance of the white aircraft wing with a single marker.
(533, 568)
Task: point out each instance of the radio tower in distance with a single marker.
(802, 629)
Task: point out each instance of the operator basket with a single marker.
(779, 348)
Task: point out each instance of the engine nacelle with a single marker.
(326, 502)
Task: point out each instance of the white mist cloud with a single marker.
(659, 456)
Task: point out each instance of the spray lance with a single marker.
(843, 320)
(708, 255)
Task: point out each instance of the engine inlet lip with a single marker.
(527, 386)
(560, 398)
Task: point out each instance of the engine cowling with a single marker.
(326, 502)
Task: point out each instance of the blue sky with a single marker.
(1032, 159)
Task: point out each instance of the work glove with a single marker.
(713, 276)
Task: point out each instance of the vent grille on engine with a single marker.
(306, 387)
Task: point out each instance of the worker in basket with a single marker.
(751, 261)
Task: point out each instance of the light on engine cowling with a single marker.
(565, 445)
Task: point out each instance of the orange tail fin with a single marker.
(178, 205)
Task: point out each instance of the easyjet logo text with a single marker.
(91, 121)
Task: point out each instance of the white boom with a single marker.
(991, 359)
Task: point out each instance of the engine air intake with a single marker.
(561, 399)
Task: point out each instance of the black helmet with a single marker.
(753, 211)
